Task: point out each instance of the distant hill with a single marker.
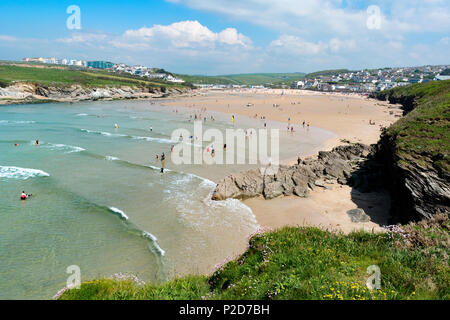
(326, 73)
(245, 79)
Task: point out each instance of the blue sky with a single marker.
(233, 36)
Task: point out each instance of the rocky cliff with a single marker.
(33, 91)
(337, 166)
(415, 151)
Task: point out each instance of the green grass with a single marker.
(245, 79)
(423, 136)
(63, 76)
(307, 263)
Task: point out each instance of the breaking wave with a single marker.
(119, 212)
(64, 147)
(155, 242)
(21, 173)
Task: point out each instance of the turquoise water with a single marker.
(100, 202)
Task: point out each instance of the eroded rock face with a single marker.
(335, 165)
(418, 188)
(80, 93)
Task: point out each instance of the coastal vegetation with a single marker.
(416, 150)
(308, 263)
(245, 79)
(65, 76)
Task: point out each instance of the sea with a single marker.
(100, 202)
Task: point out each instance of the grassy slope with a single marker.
(326, 73)
(245, 79)
(424, 134)
(65, 76)
(307, 263)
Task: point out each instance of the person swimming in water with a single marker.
(163, 161)
(36, 142)
(24, 196)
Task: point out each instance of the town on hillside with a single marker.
(137, 70)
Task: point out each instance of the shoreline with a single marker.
(347, 116)
(27, 93)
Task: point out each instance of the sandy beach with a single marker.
(350, 117)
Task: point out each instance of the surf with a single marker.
(21, 173)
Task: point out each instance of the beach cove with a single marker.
(100, 202)
(351, 117)
(99, 195)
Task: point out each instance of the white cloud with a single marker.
(330, 17)
(186, 34)
(7, 38)
(294, 45)
(80, 37)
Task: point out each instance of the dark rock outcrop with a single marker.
(358, 215)
(418, 188)
(336, 165)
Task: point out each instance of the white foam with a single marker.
(60, 146)
(16, 122)
(107, 134)
(158, 140)
(21, 173)
(159, 168)
(82, 115)
(111, 158)
(120, 212)
(205, 182)
(155, 242)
